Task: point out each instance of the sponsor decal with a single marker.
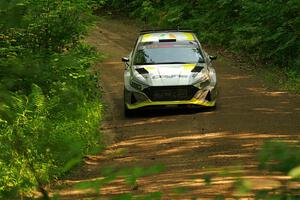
(189, 36)
(147, 37)
(165, 36)
(169, 76)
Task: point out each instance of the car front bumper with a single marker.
(203, 98)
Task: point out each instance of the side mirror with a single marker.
(213, 57)
(125, 59)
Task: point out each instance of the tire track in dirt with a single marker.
(187, 142)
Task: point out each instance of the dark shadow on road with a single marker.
(191, 143)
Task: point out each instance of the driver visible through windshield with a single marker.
(150, 53)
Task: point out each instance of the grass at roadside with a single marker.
(245, 27)
(273, 77)
(99, 182)
(276, 78)
(50, 106)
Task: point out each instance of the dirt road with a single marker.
(188, 143)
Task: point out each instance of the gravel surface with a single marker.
(192, 145)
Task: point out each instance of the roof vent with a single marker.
(142, 71)
(197, 69)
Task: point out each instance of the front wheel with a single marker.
(127, 112)
(211, 109)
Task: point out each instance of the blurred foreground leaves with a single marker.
(49, 103)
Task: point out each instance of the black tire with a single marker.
(211, 109)
(128, 113)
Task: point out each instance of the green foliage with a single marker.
(279, 157)
(265, 30)
(152, 196)
(295, 172)
(275, 158)
(130, 176)
(49, 104)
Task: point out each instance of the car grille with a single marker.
(170, 93)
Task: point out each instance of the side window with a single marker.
(133, 52)
(140, 57)
(135, 45)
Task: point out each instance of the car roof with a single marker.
(167, 35)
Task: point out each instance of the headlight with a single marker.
(201, 84)
(136, 85)
(203, 80)
(203, 77)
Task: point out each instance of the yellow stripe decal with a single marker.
(189, 36)
(157, 103)
(189, 67)
(149, 68)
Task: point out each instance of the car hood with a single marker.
(168, 74)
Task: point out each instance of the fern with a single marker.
(36, 100)
(18, 104)
(43, 110)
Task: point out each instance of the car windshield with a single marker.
(167, 53)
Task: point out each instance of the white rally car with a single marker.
(168, 68)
